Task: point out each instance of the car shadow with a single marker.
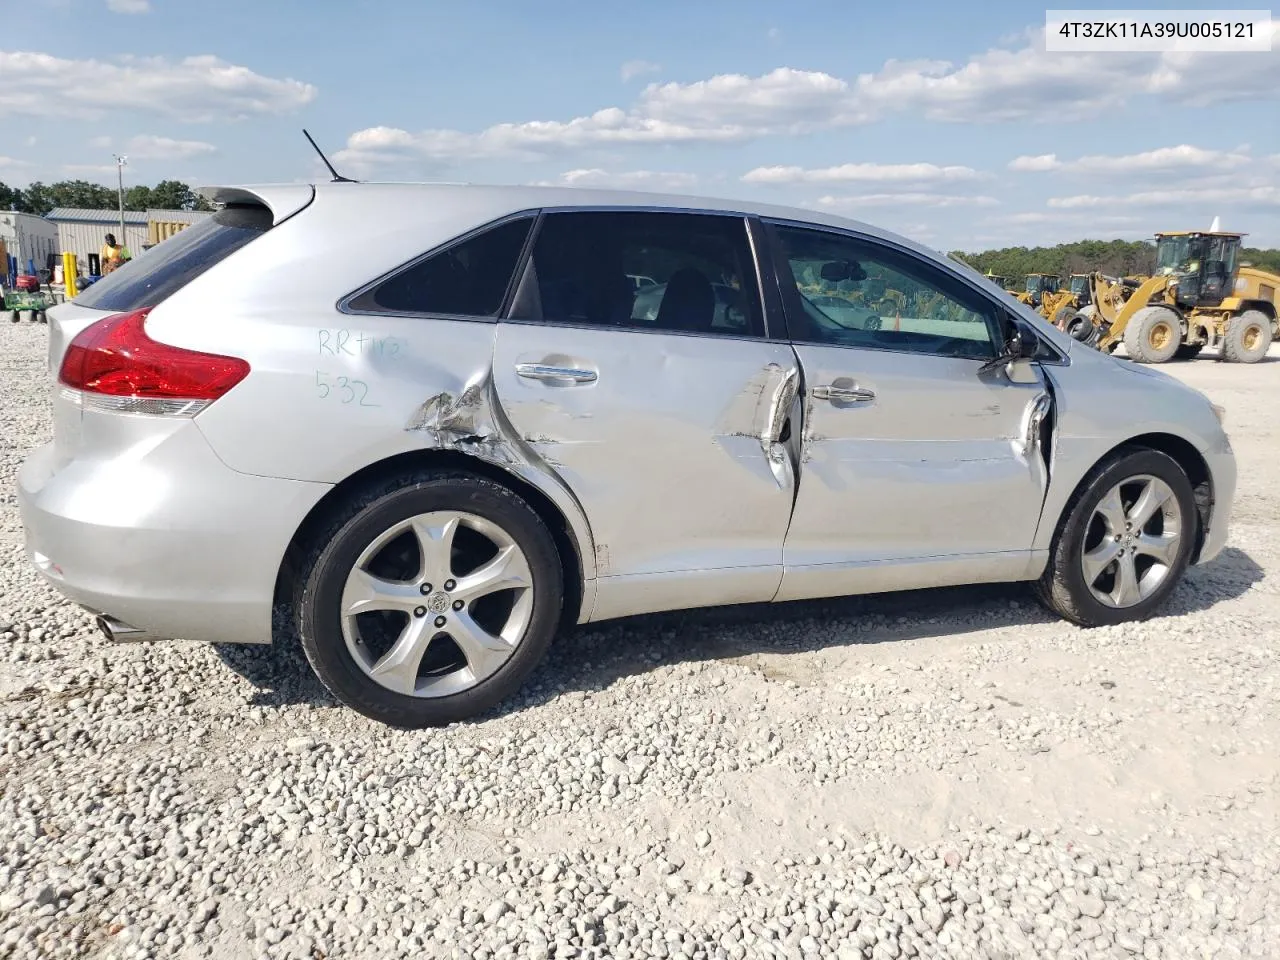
(593, 656)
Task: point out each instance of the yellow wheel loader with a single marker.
(1199, 297)
(1038, 286)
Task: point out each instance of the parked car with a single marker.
(427, 420)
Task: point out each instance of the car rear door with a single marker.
(919, 466)
(663, 422)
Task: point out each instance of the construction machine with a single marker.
(1199, 296)
(1038, 285)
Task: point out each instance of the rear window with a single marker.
(157, 273)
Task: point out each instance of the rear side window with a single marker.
(468, 279)
(668, 272)
(160, 272)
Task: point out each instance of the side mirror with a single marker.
(1016, 356)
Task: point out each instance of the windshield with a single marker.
(1079, 285)
(175, 262)
(1172, 254)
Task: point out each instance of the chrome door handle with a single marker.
(541, 371)
(843, 394)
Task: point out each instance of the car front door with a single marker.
(661, 408)
(920, 465)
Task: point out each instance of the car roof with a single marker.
(517, 198)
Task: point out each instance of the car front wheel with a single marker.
(1124, 542)
(430, 599)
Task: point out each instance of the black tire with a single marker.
(1188, 351)
(1062, 588)
(1063, 316)
(1080, 328)
(14, 316)
(1247, 337)
(1153, 335)
(337, 547)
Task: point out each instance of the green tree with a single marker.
(10, 197)
(172, 195)
(138, 198)
(1268, 260)
(1112, 257)
(81, 193)
(37, 198)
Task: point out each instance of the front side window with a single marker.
(677, 272)
(467, 279)
(857, 293)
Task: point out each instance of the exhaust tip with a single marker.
(117, 631)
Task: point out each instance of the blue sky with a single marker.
(947, 122)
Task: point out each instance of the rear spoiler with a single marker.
(282, 199)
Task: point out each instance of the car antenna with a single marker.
(337, 177)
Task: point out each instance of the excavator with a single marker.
(1200, 296)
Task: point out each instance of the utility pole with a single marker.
(120, 162)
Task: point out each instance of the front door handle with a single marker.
(542, 371)
(843, 394)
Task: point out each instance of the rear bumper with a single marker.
(163, 536)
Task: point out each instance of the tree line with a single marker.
(39, 198)
(1115, 258)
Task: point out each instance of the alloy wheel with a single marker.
(1133, 541)
(437, 604)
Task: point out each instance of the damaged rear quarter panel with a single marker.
(326, 401)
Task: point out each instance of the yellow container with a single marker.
(69, 274)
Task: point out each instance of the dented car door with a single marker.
(663, 413)
(920, 464)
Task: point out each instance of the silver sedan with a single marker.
(442, 423)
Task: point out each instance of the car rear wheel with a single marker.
(1124, 541)
(430, 599)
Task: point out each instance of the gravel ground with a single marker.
(942, 774)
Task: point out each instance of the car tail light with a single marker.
(119, 368)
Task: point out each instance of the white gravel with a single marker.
(947, 774)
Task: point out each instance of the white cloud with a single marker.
(101, 143)
(783, 100)
(1045, 161)
(129, 6)
(638, 68)
(911, 199)
(146, 147)
(1265, 195)
(1182, 157)
(624, 180)
(12, 163)
(862, 172)
(1034, 217)
(997, 85)
(196, 89)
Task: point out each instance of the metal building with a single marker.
(27, 237)
(81, 231)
